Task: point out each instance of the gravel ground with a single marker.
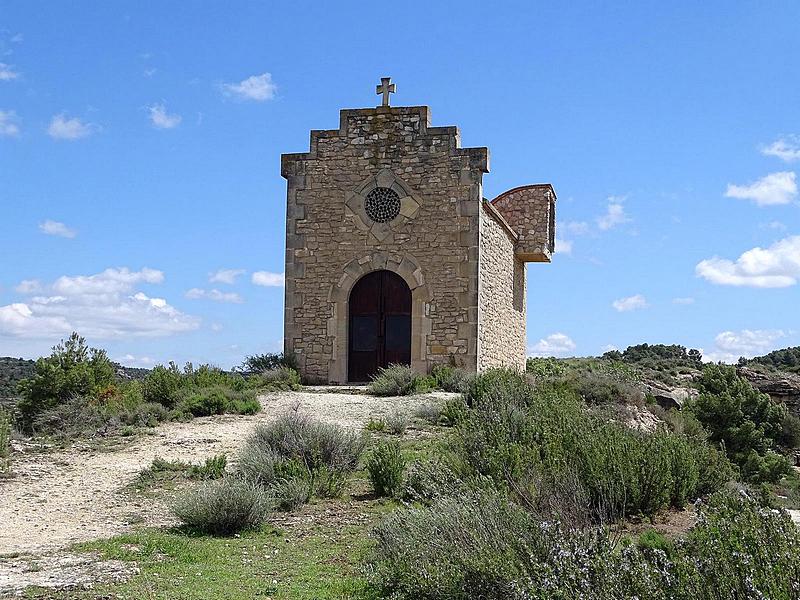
(59, 498)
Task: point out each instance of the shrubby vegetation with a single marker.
(5, 442)
(385, 467)
(12, 371)
(484, 546)
(75, 391)
(296, 447)
(398, 380)
(532, 442)
(787, 359)
(259, 363)
(224, 506)
(745, 422)
(401, 380)
(519, 503)
(281, 466)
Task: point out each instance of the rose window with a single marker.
(382, 205)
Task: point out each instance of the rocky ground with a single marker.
(58, 498)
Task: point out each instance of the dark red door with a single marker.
(380, 324)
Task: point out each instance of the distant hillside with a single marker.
(13, 370)
(787, 360)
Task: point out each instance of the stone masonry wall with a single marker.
(502, 316)
(530, 210)
(436, 235)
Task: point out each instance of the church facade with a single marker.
(394, 256)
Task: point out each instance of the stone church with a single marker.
(393, 255)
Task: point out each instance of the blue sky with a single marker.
(142, 201)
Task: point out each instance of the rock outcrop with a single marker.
(781, 387)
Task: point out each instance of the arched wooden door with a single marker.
(380, 324)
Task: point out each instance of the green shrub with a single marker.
(498, 387)
(279, 379)
(430, 480)
(739, 550)
(655, 540)
(146, 414)
(449, 379)
(212, 468)
(268, 362)
(397, 422)
(290, 494)
(429, 411)
(78, 416)
(453, 410)
(72, 369)
(223, 507)
(216, 400)
(545, 368)
(295, 446)
(163, 384)
(376, 425)
(161, 470)
(482, 546)
(397, 380)
(385, 467)
(551, 436)
(5, 442)
(790, 432)
(743, 421)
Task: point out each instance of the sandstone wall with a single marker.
(502, 314)
(531, 212)
(433, 244)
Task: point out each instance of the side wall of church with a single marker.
(501, 289)
(433, 244)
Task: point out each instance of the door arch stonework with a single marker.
(338, 327)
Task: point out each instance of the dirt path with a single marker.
(59, 498)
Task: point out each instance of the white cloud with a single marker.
(63, 128)
(748, 342)
(267, 279)
(774, 225)
(773, 267)
(575, 227)
(215, 295)
(256, 87)
(684, 301)
(225, 276)
(8, 123)
(129, 360)
(57, 228)
(635, 302)
(786, 148)
(109, 282)
(7, 72)
(17, 38)
(161, 119)
(615, 214)
(608, 348)
(103, 306)
(149, 72)
(29, 286)
(216, 327)
(563, 246)
(555, 344)
(775, 188)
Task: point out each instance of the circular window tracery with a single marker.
(382, 205)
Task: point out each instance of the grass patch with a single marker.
(316, 557)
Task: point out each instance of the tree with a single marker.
(72, 369)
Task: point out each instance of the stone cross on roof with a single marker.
(385, 88)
